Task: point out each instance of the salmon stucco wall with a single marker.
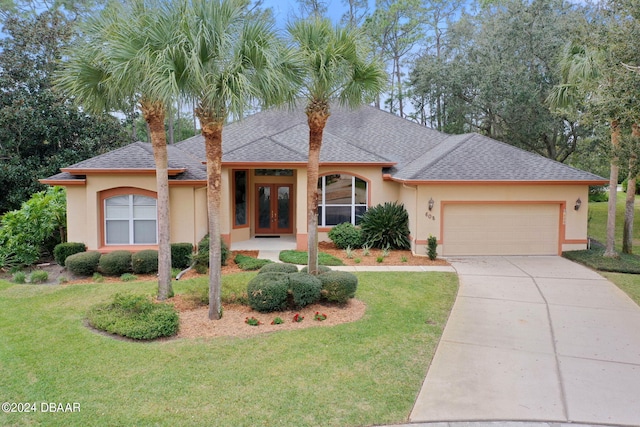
(188, 218)
(573, 223)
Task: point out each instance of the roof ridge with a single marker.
(262, 137)
(531, 153)
(348, 142)
(467, 136)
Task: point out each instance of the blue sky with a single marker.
(284, 9)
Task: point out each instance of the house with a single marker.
(475, 194)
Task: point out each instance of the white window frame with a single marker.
(322, 202)
(131, 220)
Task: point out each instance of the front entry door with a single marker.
(273, 208)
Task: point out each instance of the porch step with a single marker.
(271, 255)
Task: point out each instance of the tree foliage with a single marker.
(495, 71)
(34, 230)
(40, 131)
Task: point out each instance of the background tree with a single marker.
(231, 64)
(394, 28)
(335, 67)
(596, 86)
(40, 131)
(127, 53)
(495, 71)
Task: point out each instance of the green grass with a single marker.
(597, 228)
(361, 373)
(593, 258)
(628, 283)
(302, 258)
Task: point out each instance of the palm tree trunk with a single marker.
(629, 209)
(154, 116)
(212, 132)
(610, 250)
(317, 118)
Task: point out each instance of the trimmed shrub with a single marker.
(63, 250)
(268, 292)
(305, 288)
(278, 268)
(135, 316)
(38, 276)
(181, 255)
(386, 226)
(321, 269)
(432, 245)
(338, 286)
(115, 263)
(145, 262)
(128, 277)
(346, 235)
(202, 256)
(248, 263)
(83, 263)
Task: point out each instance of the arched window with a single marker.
(130, 219)
(341, 198)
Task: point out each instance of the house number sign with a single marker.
(430, 216)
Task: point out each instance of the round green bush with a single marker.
(83, 263)
(346, 235)
(63, 250)
(305, 288)
(181, 255)
(278, 268)
(268, 292)
(145, 261)
(115, 263)
(338, 286)
(321, 269)
(135, 316)
(202, 256)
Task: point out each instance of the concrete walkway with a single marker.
(534, 339)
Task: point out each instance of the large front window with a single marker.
(130, 220)
(341, 198)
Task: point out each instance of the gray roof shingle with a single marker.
(406, 150)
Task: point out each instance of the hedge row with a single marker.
(116, 263)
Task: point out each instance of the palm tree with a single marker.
(231, 63)
(124, 54)
(335, 66)
(581, 79)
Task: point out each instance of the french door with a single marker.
(274, 208)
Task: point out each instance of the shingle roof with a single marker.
(406, 150)
(139, 155)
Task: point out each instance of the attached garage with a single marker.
(501, 229)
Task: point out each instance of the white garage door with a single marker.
(499, 229)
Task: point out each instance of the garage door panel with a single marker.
(501, 229)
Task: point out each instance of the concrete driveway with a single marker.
(535, 339)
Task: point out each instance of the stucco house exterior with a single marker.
(475, 194)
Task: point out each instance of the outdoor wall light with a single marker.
(578, 204)
(431, 203)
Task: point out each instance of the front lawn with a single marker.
(629, 283)
(361, 373)
(597, 228)
(593, 258)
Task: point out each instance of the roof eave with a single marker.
(120, 171)
(496, 182)
(62, 182)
